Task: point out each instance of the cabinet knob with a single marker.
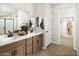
(37, 41)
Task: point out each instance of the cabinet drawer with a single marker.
(37, 43)
(29, 42)
(29, 54)
(29, 50)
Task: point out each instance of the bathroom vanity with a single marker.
(17, 45)
(26, 45)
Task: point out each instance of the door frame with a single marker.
(74, 17)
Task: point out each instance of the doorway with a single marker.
(66, 32)
(67, 26)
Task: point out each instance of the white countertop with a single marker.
(4, 41)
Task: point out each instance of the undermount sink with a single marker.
(5, 39)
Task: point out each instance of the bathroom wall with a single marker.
(39, 9)
(47, 21)
(55, 24)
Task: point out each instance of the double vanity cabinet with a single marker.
(24, 47)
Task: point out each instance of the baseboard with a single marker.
(49, 44)
(77, 52)
(44, 48)
(55, 42)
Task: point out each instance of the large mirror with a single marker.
(6, 24)
(14, 22)
(1, 26)
(9, 25)
(19, 20)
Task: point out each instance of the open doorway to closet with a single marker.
(66, 32)
(67, 26)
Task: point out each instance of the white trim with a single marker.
(55, 42)
(77, 52)
(59, 25)
(74, 37)
(75, 33)
(44, 48)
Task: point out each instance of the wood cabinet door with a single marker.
(19, 51)
(29, 51)
(37, 44)
(29, 46)
(13, 49)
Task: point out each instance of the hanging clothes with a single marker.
(69, 28)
